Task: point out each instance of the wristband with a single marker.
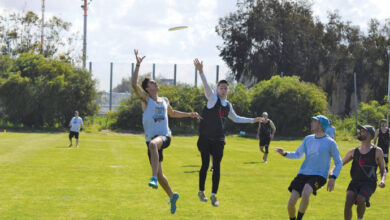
(332, 176)
(285, 154)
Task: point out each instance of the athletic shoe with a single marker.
(173, 201)
(202, 196)
(153, 182)
(214, 201)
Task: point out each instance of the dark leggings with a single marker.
(207, 148)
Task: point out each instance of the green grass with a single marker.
(106, 178)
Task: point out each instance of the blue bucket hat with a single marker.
(323, 120)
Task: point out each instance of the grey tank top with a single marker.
(155, 119)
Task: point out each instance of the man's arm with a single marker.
(381, 163)
(239, 119)
(338, 164)
(292, 155)
(376, 136)
(70, 122)
(273, 128)
(178, 114)
(138, 90)
(207, 89)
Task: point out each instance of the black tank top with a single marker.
(212, 126)
(364, 166)
(383, 138)
(265, 129)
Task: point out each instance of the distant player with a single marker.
(157, 133)
(265, 133)
(383, 137)
(212, 131)
(75, 124)
(318, 149)
(331, 131)
(365, 160)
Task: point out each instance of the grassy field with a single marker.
(106, 178)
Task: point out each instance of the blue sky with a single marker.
(115, 27)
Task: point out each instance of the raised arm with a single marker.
(178, 114)
(138, 90)
(381, 163)
(207, 89)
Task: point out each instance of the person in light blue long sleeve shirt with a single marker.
(318, 149)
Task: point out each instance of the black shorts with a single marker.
(365, 189)
(75, 134)
(166, 143)
(213, 147)
(315, 181)
(265, 141)
(385, 150)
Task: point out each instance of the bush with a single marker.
(290, 103)
(40, 92)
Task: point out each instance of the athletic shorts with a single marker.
(365, 189)
(315, 181)
(213, 147)
(265, 141)
(73, 134)
(166, 143)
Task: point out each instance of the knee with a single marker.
(152, 146)
(307, 190)
(291, 204)
(360, 200)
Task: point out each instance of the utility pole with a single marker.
(42, 25)
(84, 7)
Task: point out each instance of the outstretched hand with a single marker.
(280, 151)
(139, 59)
(259, 119)
(196, 115)
(198, 65)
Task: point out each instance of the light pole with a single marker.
(84, 7)
(388, 88)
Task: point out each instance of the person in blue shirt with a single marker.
(331, 130)
(318, 149)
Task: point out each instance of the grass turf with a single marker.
(106, 178)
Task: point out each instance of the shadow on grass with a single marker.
(252, 162)
(192, 171)
(190, 166)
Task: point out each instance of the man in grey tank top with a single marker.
(155, 122)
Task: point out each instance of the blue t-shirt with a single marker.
(331, 131)
(318, 152)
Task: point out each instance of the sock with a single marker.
(201, 191)
(300, 215)
(155, 178)
(293, 218)
(359, 218)
(213, 194)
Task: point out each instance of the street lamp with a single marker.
(84, 7)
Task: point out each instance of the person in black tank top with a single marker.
(383, 137)
(265, 134)
(212, 132)
(365, 160)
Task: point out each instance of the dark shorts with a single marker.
(73, 134)
(385, 150)
(213, 147)
(315, 181)
(166, 143)
(265, 141)
(365, 189)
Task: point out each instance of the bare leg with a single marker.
(361, 206)
(164, 181)
(154, 146)
(306, 192)
(291, 204)
(349, 201)
(77, 142)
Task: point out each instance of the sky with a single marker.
(116, 27)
